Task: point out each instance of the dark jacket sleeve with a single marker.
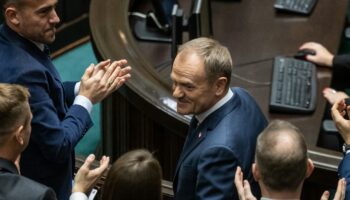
(49, 194)
(341, 61)
(69, 92)
(216, 174)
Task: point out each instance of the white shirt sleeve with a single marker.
(78, 196)
(83, 101)
(76, 88)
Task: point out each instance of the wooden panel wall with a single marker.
(129, 122)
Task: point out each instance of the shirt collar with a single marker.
(266, 198)
(201, 117)
(8, 166)
(41, 46)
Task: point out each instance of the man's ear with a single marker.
(310, 168)
(11, 14)
(220, 84)
(256, 173)
(19, 135)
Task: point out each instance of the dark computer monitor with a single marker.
(163, 10)
(158, 24)
(200, 23)
(177, 29)
(171, 22)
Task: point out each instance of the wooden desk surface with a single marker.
(257, 33)
(252, 30)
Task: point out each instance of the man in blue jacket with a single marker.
(61, 111)
(15, 130)
(225, 125)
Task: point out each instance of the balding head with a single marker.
(281, 156)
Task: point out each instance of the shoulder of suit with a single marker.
(239, 90)
(21, 185)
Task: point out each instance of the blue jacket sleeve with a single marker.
(56, 128)
(69, 92)
(216, 169)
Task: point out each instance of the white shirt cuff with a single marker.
(76, 88)
(78, 196)
(83, 101)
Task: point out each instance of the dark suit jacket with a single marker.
(341, 72)
(341, 61)
(344, 172)
(17, 187)
(225, 139)
(56, 126)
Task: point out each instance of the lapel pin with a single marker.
(200, 135)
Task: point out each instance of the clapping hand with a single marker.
(243, 186)
(339, 110)
(104, 78)
(339, 194)
(86, 178)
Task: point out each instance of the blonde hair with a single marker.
(217, 58)
(13, 99)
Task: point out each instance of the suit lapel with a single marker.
(200, 130)
(185, 152)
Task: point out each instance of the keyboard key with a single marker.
(297, 6)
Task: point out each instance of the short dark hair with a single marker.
(136, 175)
(13, 99)
(5, 3)
(281, 156)
(217, 58)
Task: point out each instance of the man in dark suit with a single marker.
(281, 165)
(61, 111)
(339, 110)
(225, 125)
(15, 117)
(15, 129)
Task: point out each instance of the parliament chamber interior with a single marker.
(142, 113)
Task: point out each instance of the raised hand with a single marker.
(342, 124)
(339, 194)
(101, 80)
(243, 186)
(86, 178)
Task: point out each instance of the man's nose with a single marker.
(54, 17)
(177, 92)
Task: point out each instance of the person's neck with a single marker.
(9, 153)
(290, 195)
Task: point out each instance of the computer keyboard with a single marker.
(293, 86)
(297, 6)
